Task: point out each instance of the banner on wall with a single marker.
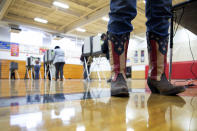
(4, 45)
(14, 49)
(42, 50)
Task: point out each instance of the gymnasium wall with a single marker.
(181, 55)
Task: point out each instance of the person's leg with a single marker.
(158, 13)
(49, 76)
(61, 71)
(84, 72)
(88, 66)
(14, 76)
(119, 28)
(56, 71)
(121, 13)
(37, 75)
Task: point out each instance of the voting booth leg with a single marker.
(45, 71)
(97, 70)
(97, 65)
(98, 62)
(170, 65)
(171, 46)
(17, 74)
(102, 69)
(98, 74)
(86, 68)
(47, 74)
(50, 71)
(31, 74)
(64, 77)
(9, 74)
(27, 73)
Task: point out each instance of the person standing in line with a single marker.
(37, 70)
(59, 61)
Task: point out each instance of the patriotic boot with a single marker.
(157, 81)
(118, 45)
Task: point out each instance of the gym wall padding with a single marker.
(71, 71)
(180, 70)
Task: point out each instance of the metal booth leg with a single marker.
(171, 46)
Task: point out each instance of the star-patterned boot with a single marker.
(157, 81)
(118, 45)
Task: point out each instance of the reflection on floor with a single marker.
(81, 106)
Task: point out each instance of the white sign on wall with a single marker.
(29, 49)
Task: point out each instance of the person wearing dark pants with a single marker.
(59, 69)
(59, 61)
(37, 70)
(13, 74)
(158, 12)
(48, 72)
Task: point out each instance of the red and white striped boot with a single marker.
(157, 81)
(118, 45)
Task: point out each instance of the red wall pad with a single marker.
(180, 70)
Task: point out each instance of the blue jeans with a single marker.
(59, 66)
(122, 12)
(37, 74)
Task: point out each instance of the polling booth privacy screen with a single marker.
(13, 66)
(96, 45)
(87, 47)
(49, 56)
(45, 57)
(31, 61)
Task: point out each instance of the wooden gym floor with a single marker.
(75, 105)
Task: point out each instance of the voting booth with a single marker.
(92, 47)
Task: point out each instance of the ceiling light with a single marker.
(81, 30)
(40, 20)
(59, 4)
(105, 19)
(144, 1)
